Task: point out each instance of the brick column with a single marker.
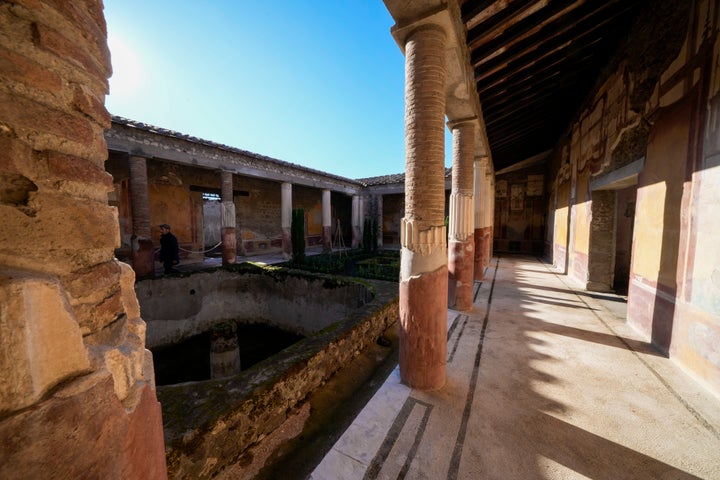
(227, 208)
(423, 275)
(141, 243)
(78, 395)
(461, 243)
(286, 218)
(356, 222)
(326, 221)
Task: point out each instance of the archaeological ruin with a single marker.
(586, 149)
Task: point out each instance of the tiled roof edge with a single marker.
(200, 141)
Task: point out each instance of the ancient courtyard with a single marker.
(547, 307)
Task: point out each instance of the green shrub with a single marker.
(297, 236)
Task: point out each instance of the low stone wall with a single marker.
(180, 306)
(209, 424)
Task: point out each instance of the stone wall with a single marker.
(179, 307)
(519, 223)
(393, 211)
(657, 108)
(231, 415)
(77, 396)
(310, 200)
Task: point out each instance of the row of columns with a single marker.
(433, 276)
(141, 242)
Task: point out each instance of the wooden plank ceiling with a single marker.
(535, 62)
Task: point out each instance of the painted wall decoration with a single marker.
(501, 189)
(517, 196)
(535, 185)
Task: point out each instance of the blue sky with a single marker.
(317, 83)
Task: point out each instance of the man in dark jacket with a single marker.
(169, 251)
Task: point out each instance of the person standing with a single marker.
(169, 249)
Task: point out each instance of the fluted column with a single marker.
(228, 232)
(461, 243)
(423, 276)
(326, 221)
(483, 234)
(141, 243)
(286, 218)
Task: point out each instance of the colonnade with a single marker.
(439, 263)
(142, 246)
(436, 273)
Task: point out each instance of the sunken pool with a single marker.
(237, 348)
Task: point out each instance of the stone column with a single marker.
(224, 350)
(356, 220)
(423, 271)
(141, 243)
(483, 217)
(461, 243)
(479, 197)
(489, 214)
(326, 221)
(227, 208)
(286, 218)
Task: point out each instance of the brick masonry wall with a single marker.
(393, 211)
(78, 353)
(261, 400)
(259, 215)
(654, 105)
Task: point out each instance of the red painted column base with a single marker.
(229, 246)
(142, 256)
(286, 243)
(327, 239)
(461, 257)
(423, 330)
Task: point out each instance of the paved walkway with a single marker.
(543, 381)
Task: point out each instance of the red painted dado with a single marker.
(460, 273)
(560, 257)
(650, 310)
(579, 267)
(423, 330)
(696, 343)
(80, 433)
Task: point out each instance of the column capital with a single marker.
(462, 121)
(439, 17)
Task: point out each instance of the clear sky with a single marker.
(319, 83)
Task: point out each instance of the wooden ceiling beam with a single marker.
(497, 23)
(537, 45)
(556, 76)
(525, 136)
(529, 26)
(518, 71)
(470, 10)
(537, 107)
